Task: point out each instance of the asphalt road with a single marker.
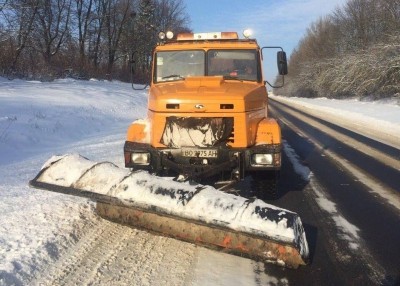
(350, 205)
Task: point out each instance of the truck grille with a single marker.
(197, 132)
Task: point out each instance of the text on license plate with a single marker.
(202, 153)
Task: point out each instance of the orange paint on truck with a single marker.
(207, 93)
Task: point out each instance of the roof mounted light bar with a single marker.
(169, 35)
(207, 36)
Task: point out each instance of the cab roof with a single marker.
(213, 40)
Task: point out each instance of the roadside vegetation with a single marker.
(353, 52)
(47, 39)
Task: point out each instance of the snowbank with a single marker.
(35, 116)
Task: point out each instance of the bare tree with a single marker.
(116, 19)
(352, 52)
(84, 16)
(389, 16)
(26, 17)
(145, 33)
(96, 31)
(90, 35)
(3, 4)
(171, 15)
(51, 27)
(152, 17)
(18, 19)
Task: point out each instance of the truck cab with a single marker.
(207, 110)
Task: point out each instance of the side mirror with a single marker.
(132, 62)
(282, 63)
(137, 75)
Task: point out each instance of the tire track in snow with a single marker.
(77, 256)
(106, 247)
(113, 254)
(148, 259)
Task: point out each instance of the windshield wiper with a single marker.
(172, 76)
(232, 77)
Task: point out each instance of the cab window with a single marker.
(233, 64)
(177, 65)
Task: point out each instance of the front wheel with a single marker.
(265, 184)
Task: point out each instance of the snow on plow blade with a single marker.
(194, 213)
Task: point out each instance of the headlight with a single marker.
(262, 159)
(140, 158)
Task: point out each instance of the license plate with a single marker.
(201, 153)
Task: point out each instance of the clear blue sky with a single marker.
(274, 22)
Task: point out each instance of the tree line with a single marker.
(46, 39)
(352, 52)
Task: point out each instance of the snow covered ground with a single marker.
(38, 120)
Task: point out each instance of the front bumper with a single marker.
(228, 159)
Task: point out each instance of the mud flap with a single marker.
(197, 214)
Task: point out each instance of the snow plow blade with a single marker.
(195, 213)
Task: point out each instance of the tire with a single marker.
(265, 184)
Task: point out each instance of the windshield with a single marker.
(179, 65)
(231, 64)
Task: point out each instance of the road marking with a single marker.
(368, 150)
(374, 130)
(390, 195)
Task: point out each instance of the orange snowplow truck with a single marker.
(207, 110)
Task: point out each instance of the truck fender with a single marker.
(139, 131)
(268, 132)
